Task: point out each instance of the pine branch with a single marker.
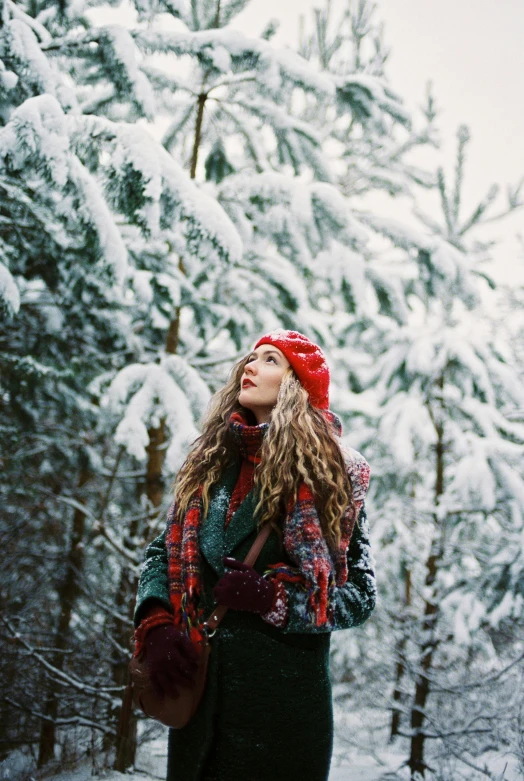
(481, 682)
(468, 727)
(515, 200)
(251, 142)
(459, 754)
(168, 81)
(234, 79)
(194, 15)
(49, 650)
(97, 102)
(76, 721)
(291, 67)
(111, 482)
(441, 183)
(97, 525)
(73, 44)
(479, 211)
(230, 10)
(463, 138)
(278, 118)
(501, 215)
(442, 735)
(117, 546)
(123, 476)
(41, 32)
(216, 361)
(58, 676)
(43, 216)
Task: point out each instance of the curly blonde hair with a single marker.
(300, 446)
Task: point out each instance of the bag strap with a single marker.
(220, 611)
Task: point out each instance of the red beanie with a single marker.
(307, 360)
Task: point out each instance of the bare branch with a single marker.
(115, 544)
(75, 721)
(482, 682)
(64, 679)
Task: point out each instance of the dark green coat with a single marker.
(267, 711)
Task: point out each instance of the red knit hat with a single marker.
(307, 360)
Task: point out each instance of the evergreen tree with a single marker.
(447, 458)
(82, 194)
(374, 141)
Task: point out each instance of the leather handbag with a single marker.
(177, 712)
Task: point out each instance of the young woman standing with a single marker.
(269, 452)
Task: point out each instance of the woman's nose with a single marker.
(250, 367)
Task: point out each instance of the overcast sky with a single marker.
(473, 52)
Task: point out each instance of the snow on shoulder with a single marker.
(359, 473)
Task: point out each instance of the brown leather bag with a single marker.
(177, 712)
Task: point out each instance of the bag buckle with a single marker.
(209, 633)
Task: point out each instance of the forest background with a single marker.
(171, 187)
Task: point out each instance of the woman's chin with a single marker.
(243, 399)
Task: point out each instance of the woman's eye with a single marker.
(271, 358)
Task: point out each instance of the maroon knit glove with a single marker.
(244, 588)
(171, 658)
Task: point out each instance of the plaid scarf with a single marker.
(315, 570)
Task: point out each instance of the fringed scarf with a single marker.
(317, 569)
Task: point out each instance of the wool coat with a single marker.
(266, 713)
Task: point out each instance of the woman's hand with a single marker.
(171, 658)
(244, 588)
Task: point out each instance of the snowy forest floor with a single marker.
(360, 753)
(348, 765)
(151, 766)
(152, 758)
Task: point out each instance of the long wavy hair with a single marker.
(300, 446)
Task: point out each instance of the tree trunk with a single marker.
(400, 651)
(154, 490)
(431, 614)
(126, 735)
(198, 133)
(422, 687)
(217, 17)
(68, 592)
(174, 325)
(125, 599)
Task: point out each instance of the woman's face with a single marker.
(261, 380)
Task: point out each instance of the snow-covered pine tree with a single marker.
(62, 261)
(245, 104)
(211, 84)
(313, 226)
(369, 145)
(370, 153)
(448, 457)
(374, 160)
(80, 193)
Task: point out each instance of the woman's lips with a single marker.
(247, 383)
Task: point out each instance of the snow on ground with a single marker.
(376, 763)
(151, 766)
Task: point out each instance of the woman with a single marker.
(269, 453)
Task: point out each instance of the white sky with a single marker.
(473, 52)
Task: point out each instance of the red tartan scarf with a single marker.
(249, 441)
(315, 569)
